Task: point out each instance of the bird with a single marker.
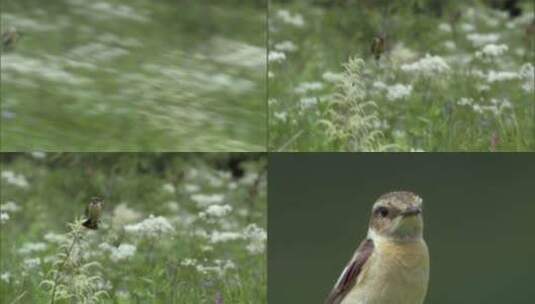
(10, 38)
(93, 213)
(378, 46)
(391, 265)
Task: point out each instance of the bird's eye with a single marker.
(381, 211)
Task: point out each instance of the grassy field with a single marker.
(140, 75)
(456, 79)
(175, 228)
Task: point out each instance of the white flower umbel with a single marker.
(28, 248)
(4, 217)
(428, 66)
(287, 17)
(305, 87)
(151, 227)
(286, 46)
(492, 50)
(398, 91)
(15, 179)
(216, 211)
(482, 39)
(204, 200)
(275, 56)
(124, 251)
(10, 207)
(257, 239)
(498, 76)
(527, 73)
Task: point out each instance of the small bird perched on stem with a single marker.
(10, 38)
(391, 266)
(378, 46)
(93, 212)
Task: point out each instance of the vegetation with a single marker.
(453, 77)
(175, 228)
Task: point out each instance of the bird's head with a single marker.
(397, 216)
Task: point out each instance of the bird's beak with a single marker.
(411, 211)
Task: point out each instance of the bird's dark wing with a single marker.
(349, 276)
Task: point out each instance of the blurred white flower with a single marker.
(204, 200)
(482, 39)
(10, 206)
(55, 238)
(275, 56)
(4, 216)
(398, 91)
(15, 179)
(527, 73)
(429, 65)
(32, 263)
(287, 17)
(28, 248)
(497, 76)
(123, 215)
(5, 276)
(220, 267)
(308, 102)
(401, 54)
(217, 210)
(305, 87)
(191, 188)
(465, 101)
(332, 77)
(282, 116)
(445, 27)
(151, 227)
(122, 252)
(169, 188)
(492, 50)
(257, 239)
(224, 236)
(188, 262)
(450, 45)
(467, 27)
(286, 46)
(38, 155)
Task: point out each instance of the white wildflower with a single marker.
(151, 227)
(465, 101)
(15, 179)
(123, 215)
(497, 76)
(217, 210)
(5, 276)
(28, 248)
(450, 45)
(55, 238)
(122, 252)
(398, 91)
(32, 263)
(305, 87)
(275, 56)
(224, 236)
(492, 50)
(287, 17)
(308, 102)
(286, 46)
(38, 155)
(429, 65)
(444, 27)
(482, 39)
(467, 27)
(282, 116)
(9, 206)
(169, 188)
(257, 239)
(191, 188)
(204, 200)
(188, 262)
(527, 73)
(332, 77)
(4, 216)
(220, 267)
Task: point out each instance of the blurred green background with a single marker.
(137, 75)
(478, 214)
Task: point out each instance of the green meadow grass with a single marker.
(134, 76)
(323, 98)
(208, 240)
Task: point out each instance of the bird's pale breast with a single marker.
(396, 273)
